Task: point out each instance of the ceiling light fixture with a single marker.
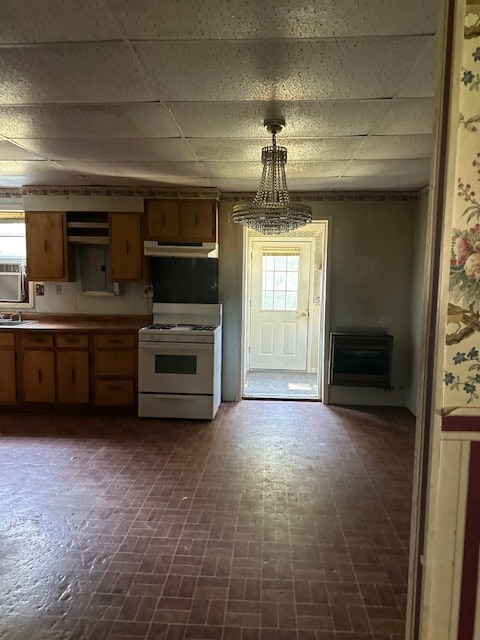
(271, 211)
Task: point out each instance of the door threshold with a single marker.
(259, 396)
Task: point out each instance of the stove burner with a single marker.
(158, 325)
(202, 327)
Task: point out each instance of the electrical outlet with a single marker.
(39, 289)
(58, 289)
(148, 291)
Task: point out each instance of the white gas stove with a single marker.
(179, 362)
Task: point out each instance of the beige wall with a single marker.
(371, 272)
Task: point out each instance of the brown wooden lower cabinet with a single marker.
(73, 380)
(38, 375)
(114, 393)
(115, 364)
(8, 372)
(96, 368)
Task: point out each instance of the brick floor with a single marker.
(276, 521)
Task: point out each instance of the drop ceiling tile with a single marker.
(420, 82)
(134, 170)
(303, 119)
(407, 115)
(87, 72)
(252, 170)
(294, 184)
(392, 147)
(142, 120)
(118, 149)
(10, 151)
(409, 167)
(297, 70)
(24, 172)
(53, 21)
(306, 149)
(241, 19)
(126, 181)
(380, 183)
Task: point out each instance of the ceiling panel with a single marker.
(140, 120)
(252, 170)
(24, 172)
(54, 21)
(383, 183)
(118, 149)
(420, 82)
(9, 151)
(243, 19)
(294, 184)
(136, 170)
(142, 181)
(297, 148)
(407, 146)
(410, 167)
(407, 116)
(102, 72)
(265, 70)
(303, 119)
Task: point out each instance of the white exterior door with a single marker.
(279, 305)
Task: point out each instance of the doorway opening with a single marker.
(285, 298)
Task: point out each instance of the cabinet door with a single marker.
(46, 246)
(126, 246)
(38, 373)
(8, 385)
(162, 220)
(197, 220)
(72, 377)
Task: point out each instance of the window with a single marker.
(280, 280)
(13, 254)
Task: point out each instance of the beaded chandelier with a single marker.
(271, 211)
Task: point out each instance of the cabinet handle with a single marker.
(196, 219)
(72, 340)
(40, 375)
(113, 387)
(127, 245)
(113, 341)
(38, 340)
(45, 244)
(74, 376)
(163, 218)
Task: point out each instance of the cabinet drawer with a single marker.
(7, 339)
(114, 392)
(115, 363)
(115, 341)
(71, 341)
(36, 339)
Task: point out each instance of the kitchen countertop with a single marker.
(79, 323)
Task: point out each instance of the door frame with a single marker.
(324, 315)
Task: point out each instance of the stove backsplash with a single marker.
(185, 280)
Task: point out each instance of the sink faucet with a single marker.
(18, 314)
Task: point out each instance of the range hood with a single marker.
(181, 250)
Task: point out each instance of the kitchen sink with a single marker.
(6, 322)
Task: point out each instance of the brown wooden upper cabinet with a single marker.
(48, 254)
(182, 220)
(126, 246)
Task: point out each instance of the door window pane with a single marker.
(280, 281)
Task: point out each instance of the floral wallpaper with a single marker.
(462, 359)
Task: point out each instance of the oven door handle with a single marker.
(176, 346)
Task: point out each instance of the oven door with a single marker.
(175, 367)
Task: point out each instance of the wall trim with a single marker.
(469, 585)
(461, 423)
(204, 192)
